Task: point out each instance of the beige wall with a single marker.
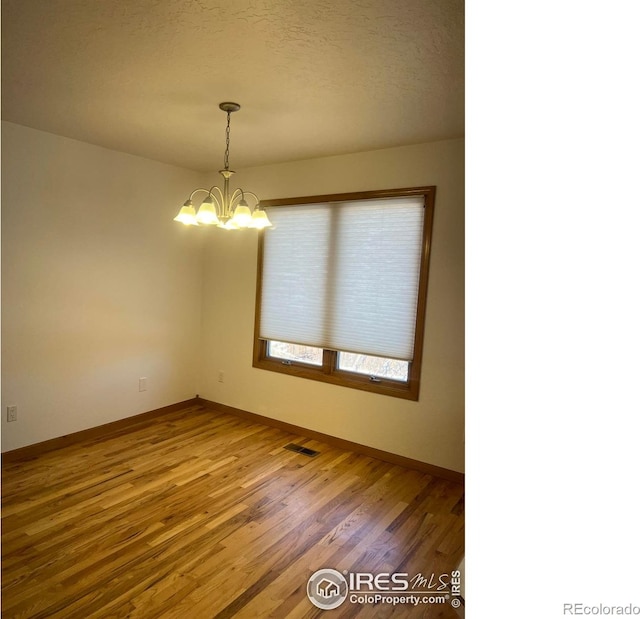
(430, 430)
(99, 286)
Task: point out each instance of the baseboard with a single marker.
(425, 467)
(31, 451)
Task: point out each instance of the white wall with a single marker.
(430, 430)
(99, 286)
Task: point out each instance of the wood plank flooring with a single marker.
(198, 514)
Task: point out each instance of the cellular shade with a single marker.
(344, 276)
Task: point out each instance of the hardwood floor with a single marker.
(198, 514)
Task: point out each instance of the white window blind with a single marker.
(344, 276)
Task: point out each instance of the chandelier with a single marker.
(220, 207)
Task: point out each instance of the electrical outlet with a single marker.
(142, 383)
(12, 413)
(220, 376)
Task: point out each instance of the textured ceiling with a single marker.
(314, 77)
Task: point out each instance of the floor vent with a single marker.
(302, 450)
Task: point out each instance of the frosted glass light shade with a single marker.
(260, 220)
(187, 215)
(242, 215)
(207, 213)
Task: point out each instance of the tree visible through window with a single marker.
(342, 288)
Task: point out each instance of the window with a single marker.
(342, 289)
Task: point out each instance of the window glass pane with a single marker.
(295, 352)
(392, 369)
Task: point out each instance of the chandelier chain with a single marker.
(226, 152)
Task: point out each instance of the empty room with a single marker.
(232, 309)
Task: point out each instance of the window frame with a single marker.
(329, 371)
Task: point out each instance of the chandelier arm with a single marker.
(217, 202)
(221, 202)
(248, 193)
(255, 197)
(238, 193)
(195, 191)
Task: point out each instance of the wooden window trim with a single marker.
(329, 372)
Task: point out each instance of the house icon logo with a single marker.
(327, 589)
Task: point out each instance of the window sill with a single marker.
(407, 391)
